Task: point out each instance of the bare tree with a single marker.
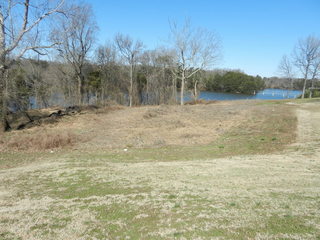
(195, 80)
(285, 68)
(76, 36)
(37, 71)
(315, 72)
(167, 59)
(156, 66)
(306, 54)
(195, 49)
(106, 58)
(21, 27)
(130, 50)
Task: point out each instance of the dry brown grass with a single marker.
(84, 196)
(165, 125)
(150, 126)
(201, 101)
(164, 194)
(41, 141)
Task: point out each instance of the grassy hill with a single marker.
(227, 170)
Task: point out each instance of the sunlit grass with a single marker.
(244, 185)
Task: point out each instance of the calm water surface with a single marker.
(264, 94)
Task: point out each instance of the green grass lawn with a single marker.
(230, 198)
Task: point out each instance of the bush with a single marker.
(42, 141)
(315, 93)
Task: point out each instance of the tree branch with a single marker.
(25, 29)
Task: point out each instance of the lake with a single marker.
(268, 93)
(265, 94)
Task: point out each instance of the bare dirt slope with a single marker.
(273, 196)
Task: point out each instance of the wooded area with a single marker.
(49, 56)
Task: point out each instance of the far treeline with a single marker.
(293, 83)
(234, 82)
(49, 56)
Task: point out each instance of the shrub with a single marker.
(42, 141)
(315, 93)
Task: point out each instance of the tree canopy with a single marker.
(234, 82)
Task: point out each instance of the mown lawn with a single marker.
(244, 185)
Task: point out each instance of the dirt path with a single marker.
(272, 196)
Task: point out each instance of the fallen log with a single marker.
(35, 117)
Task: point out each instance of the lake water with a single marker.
(265, 94)
(269, 93)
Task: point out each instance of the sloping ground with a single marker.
(150, 126)
(164, 125)
(143, 126)
(83, 196)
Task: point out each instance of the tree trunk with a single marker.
(182, 88)
(131, 85)
(310, 90)
(174, 89)
(195, 91)
(147, 92)
(3, 98)
(80, 88)
(304, 87)
(3, 80)
(102, 95)
(2, 104)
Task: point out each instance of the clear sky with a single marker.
(254, 33)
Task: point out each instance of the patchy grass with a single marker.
(16, 159)
(288, 101)
(246, 184)
(237, 198)
(288, 224)
(267, 130)
(226, 198)
(81, 185)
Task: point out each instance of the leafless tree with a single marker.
(285, 68)
(166, 59)
(76, 36)
(306, 55)
(22, 29)
(111, 74)
(156, 66)
(37, 73)
(106, 54)
(315, 72)
(130, 51)
(195, 81)
(195, 49)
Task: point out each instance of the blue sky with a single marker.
(254, 33)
